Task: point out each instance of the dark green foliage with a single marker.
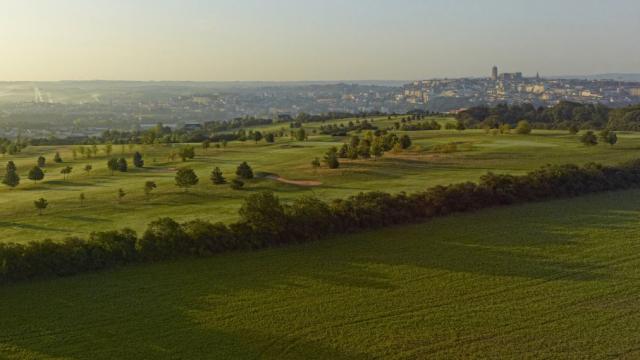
(137, 160)
(112, 164)
(36, 174)
(315, 163)
(11, 166)
(41, 161)
(244, 171)
(343, 153)
(301, 135)
(523, 127)
(427, 125)
(122, 165)
(561, 116)
(265, 221)
(65, 171)
(149, 186)
(57, 158)
(405, 142)
(589, 138)
(237, 184)
(270, 138)
(331, 158)
(217, 178)
(187, 152)
(41, 204)
(608, 137)
(11, 177)
(163, 239)
(185, 178)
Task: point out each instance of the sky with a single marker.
(295, 40)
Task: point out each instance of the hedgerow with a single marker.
(265, 221)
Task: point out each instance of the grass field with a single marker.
(410, 171)
(557, 279)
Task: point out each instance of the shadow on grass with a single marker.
(89, 219)
(275, 303)
(30, 227)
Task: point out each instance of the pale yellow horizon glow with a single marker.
(285, 40)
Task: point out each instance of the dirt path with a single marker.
(294, 182)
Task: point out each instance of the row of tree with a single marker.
(266, 221)
(564, 115)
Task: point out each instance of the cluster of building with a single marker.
(448, 94)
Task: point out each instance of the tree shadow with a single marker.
(30, 226)
(273, 303)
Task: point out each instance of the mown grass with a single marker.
(547, 280)
(409, 171)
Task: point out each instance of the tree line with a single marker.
(564, 115)
(265, 221)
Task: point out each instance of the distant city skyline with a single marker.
(331, 40)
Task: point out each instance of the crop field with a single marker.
(413, 170)
(557, 279)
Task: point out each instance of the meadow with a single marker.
(555, 279)
(412, 170)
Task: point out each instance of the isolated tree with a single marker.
(57, 158)
(244, 171)
(405, 142)
(343, 153)
(41, 161)
(122, 165)
(11, 177)
(301, 135)
(66, 171)
(574, 129)
(36, 174)
(187, 152)
(206, 144)
(121, 194)
(523, 127)
(137, 160)
(237, 184)
(608, 137)
(589, 139)
(270, 138)
(185, 178)
(149, 186)
(112, 164)
(331, 158)
(82, 199)
(612, 138)
(88, 168)
(504, 128)
(377, 148)
(216, 177)
(364, 149)
(315, 164)
(460, 126)
(257, 136)
(41, 204)
(108, 148)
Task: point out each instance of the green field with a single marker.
(557, 279)
(409, 171)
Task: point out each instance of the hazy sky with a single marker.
(313, 39)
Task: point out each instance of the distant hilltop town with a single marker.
(448, 94)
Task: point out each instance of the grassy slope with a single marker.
(557, 279)
(409, 172)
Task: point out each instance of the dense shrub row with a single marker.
(265, 221)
